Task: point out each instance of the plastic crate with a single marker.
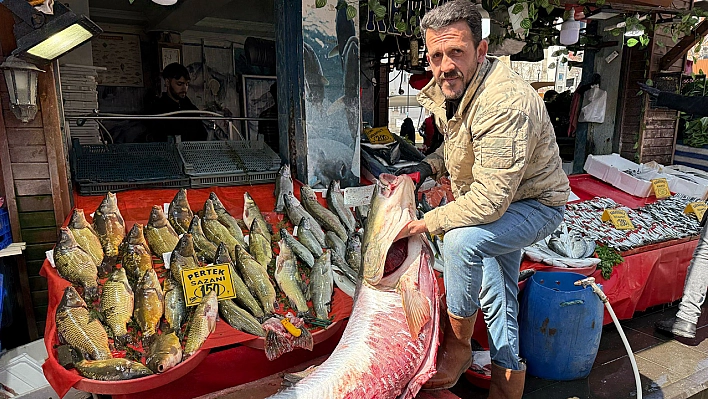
(89, 188)
(5, 230)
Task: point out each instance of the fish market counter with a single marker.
(650, 275)
(228, 357)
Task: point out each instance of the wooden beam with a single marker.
(8, 180)
(682, 47)
(186, 15)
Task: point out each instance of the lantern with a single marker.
(21, 79)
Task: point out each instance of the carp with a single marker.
(202, 324)
(206, 250)
(175, 305)
(117, 369)
(160, 235)
(322, 286)
(75, 327)
(117, 304)
(86, 236)
(225, 218)
(243, 295)
(165, 352)
(288, 278)
(335, 203)
(179, 213)
(75, 264)
(183, 258)
(149, 305)
(109, 225)
(283, 185)
(324, 216)
(389, 346)
(135, 253)
(252, 213)
(256, 279)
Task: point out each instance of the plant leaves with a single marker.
(517, 8)
(380, 11)
(399, 2)
(320, 3)
(401, 26)
(600, 3)
(351, 12)
(632, 42)
(550, 9)
(581, 2)
(644, 39)
(552, 65)
(382, 36)
(526, 23)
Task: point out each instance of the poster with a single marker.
(120, 55)
(332, 102)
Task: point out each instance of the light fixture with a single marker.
(486, 21)
(165, 2)
(42, 38)
(21, 79)
(570, 30)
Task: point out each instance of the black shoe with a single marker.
(677, 326)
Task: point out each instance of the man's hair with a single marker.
(451, 12)
(175, 71)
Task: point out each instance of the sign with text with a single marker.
(198, 282)
(697, 208)
(379, 135)
(619, 219)
(661, 188)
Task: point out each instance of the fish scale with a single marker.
(74, 264)
(202, 324)
(75, 327)
(85, 235)
(109, 225)
(159, 234)
(117, 303)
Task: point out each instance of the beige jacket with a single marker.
(499, 148)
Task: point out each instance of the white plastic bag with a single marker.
(594, 104)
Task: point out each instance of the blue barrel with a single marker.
(560, 325)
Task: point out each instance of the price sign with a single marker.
(379, 135)
(661, 188)
(619, 219)
(199, 282)
(697, 208)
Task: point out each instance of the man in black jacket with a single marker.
(697, 106)
(175, 99)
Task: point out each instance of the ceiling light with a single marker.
(570, 31)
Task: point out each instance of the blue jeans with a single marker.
(694, 291)
(482, 267)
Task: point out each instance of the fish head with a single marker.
(285, 171)
(66, 239)
(222, 254)
(195, 225)
(185, 245)
(157, 217)
(306, 192)
(334, 186)
(216, 201)
(248, 200)
(166, 353)
(392, 208)
(209, 212)
(180, 199)
(78, 219)
(304, 224)
(135, 235)
(290, 200)
(109, 204)
(149, 280)
(71, 299)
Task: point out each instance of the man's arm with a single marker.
(502, 144)
(691, 105)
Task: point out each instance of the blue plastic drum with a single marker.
(560, 325)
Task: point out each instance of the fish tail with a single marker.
(305, 340)
(275, 346)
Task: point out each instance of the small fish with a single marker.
(296, 212)
(75, 327)
(252, 213)
(159, 234)
(300, 250)
(239, 318)
(304, 234)
(256, 279)
(135, 254)
(288, 278)
(324, 216)
(85, 235)
(205, 249)
(243, 295)
(183, 258)
(108, 223)
(165, 352)
(335, 243)
(217, 232)
(322, 286)
(179, 213)
(117, 304)
(225, 218)
(202, 324)
(149, 305)
(283, 185)
(335, 202)
(75, 264)
(259, 247)
(343, 282)
(353, 252)
(175, 305)
(117, 369)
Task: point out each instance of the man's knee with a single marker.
(462, 241)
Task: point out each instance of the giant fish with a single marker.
(389, 346)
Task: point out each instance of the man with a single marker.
(697, 106)
(509, 188)
(175, 99)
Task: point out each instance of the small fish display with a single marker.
(252, 214)
(335, 201)
(135, 254)
(206, 250)
(243, 295)
(225, 218)
(108, 223)
(183, 258)
(175, 305)
(76, 327)
(117, 304)
(149, 305)
(296, 212)
(327, 219)
(288, 277)
(217, 232)
(85, 235)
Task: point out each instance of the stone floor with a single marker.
(669, 368)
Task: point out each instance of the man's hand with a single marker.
(422, 167)
(412, 228)
(652, 91)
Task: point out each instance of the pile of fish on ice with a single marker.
(116, 291)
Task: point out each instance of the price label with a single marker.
(379, 135)
(200, 281)
(619, 219)
(661, 188)
(697, 208)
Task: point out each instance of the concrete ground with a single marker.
(669, 368)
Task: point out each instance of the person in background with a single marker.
(432, 138)
(408, 130)
(175, 98)
(509, 187)
(695, 105)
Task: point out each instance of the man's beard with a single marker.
(456, 95)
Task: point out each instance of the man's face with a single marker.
(177, 88)
(453, 57)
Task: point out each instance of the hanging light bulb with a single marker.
(570, 30)
(165, 2)
(486, 21)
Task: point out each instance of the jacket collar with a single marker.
(432, 98)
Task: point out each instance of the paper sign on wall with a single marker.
(661, 188)
(697, 208)
(199, 282)
(619, 219)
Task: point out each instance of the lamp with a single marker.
(486, 21)
(21, 79)
(570, 30)
(42, 38)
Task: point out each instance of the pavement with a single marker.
(669, 368)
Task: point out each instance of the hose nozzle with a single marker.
(590, 281)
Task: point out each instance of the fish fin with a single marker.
(274, 347)
(416, 307)
(305, 340)
(334, 52)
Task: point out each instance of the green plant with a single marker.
(696, 133)
(609, 258)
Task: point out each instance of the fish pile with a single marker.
(121, 300)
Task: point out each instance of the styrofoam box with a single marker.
(697, 188)
(610, 168)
